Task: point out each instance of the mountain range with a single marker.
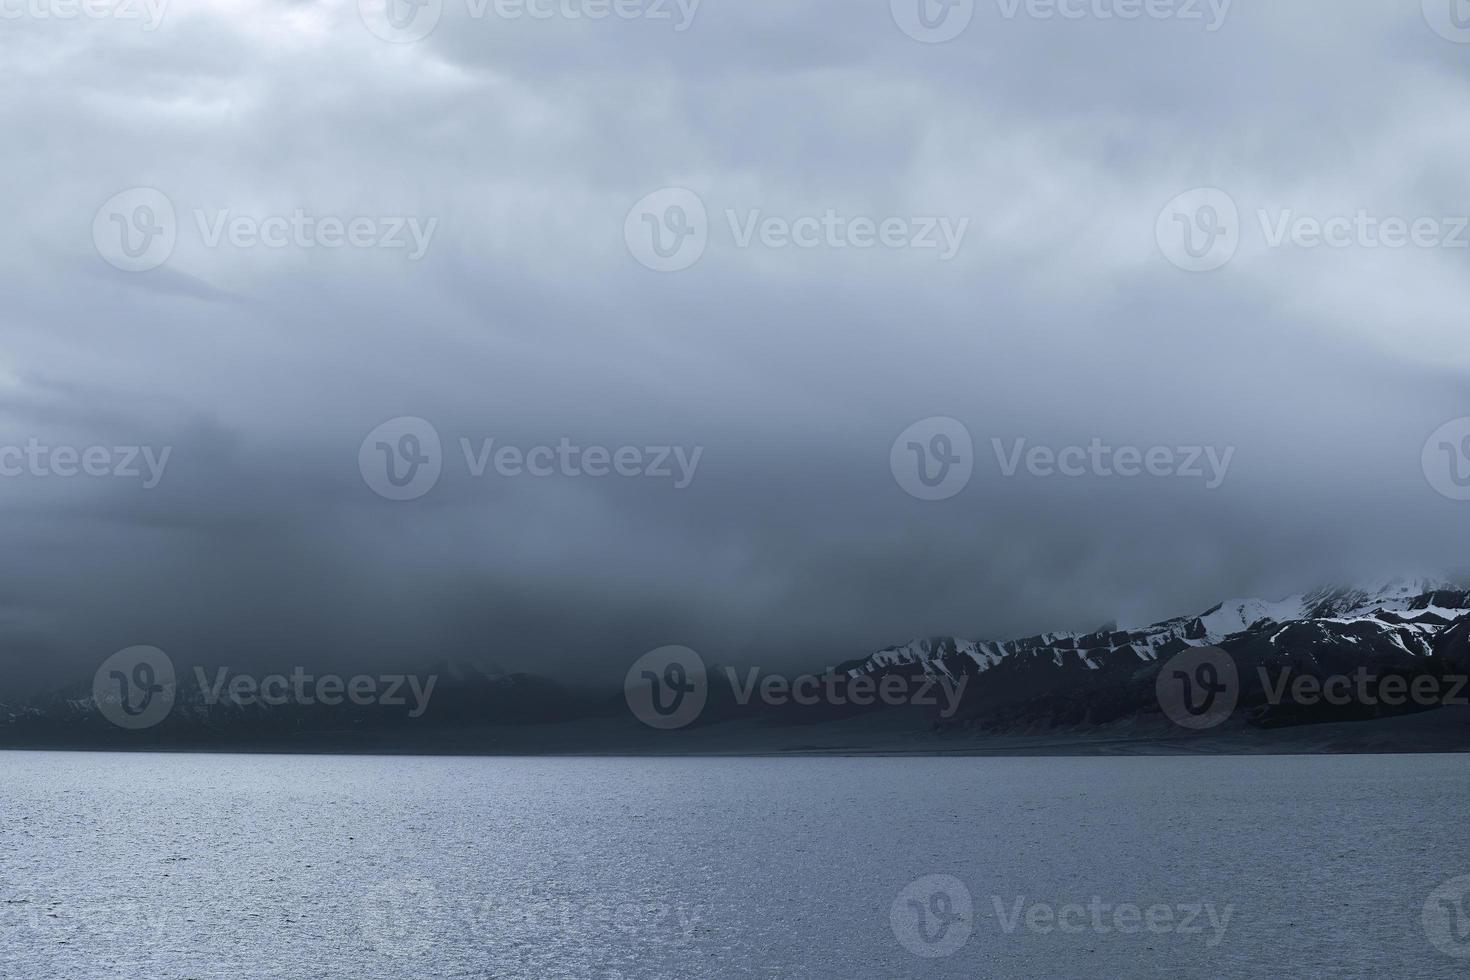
(1404, 626)
(1058, 692)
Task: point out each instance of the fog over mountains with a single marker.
(1058, 690)
(526, 320)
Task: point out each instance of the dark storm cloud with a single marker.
(528, 321)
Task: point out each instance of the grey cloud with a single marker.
(528, 321)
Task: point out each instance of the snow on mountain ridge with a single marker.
(1237, 615)
(1394, 596)
(1392, 593)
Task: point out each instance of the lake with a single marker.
(151, 865)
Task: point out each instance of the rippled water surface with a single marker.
(297, 866)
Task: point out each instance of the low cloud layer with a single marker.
(294, 147)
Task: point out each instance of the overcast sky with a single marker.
(518, 148)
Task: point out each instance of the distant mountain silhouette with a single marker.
(1062, 691)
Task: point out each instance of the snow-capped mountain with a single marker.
(1405, 612)
(1100, 687)
(1394, 631)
